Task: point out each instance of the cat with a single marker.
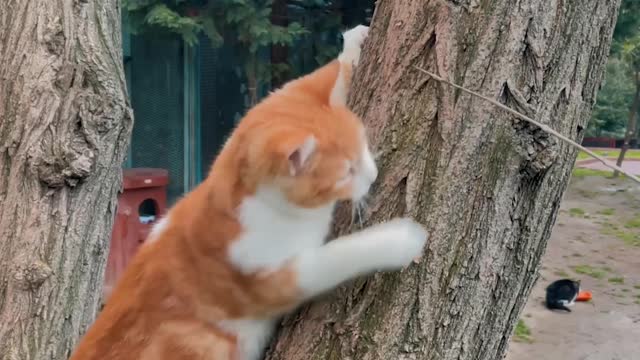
(247, 245)
(561, 294)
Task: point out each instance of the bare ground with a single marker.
(597, 240)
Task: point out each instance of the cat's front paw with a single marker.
(353, 40)
(403, 241)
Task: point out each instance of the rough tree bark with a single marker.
(631, 129)
(487, 185)
(65, 124)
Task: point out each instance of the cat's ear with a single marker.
(300, 154)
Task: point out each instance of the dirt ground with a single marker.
(597, 240)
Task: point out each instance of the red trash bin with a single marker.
(142, 201)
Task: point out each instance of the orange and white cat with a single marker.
(248, 244)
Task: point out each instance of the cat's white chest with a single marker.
(273, 233)
(252, 335)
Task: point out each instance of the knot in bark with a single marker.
(538, 148)
(29, 276)
(70, 168)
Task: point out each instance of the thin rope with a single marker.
(530, 120)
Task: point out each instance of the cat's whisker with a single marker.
(354, 211)
(361, 210)
(360, 221)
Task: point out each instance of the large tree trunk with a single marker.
(630, 132)
(65, 124)
(487, 185)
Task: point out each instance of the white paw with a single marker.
(402, 241)
(353, 40)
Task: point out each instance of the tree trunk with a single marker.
(487, 185)
(65, 124)
(630, 132)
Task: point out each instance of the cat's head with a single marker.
(573, 283)
(576, 285)
(314, 158)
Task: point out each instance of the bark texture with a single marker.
(487, 185)
(65, 124)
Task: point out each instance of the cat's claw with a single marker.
(353, 40)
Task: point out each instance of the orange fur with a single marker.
(181, 284)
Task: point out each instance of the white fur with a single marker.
(352, 45)
(338, 96)
(350, 54)
(391, 245)
(157, 229)
(366, 174)
(275, 231)
(252, 334)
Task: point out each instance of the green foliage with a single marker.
(607, 212)
(162, 16)
(325, 51)
(633, 223)
(610, 153)
(616, 280)
(631, 52)
(249, 23)
(167, 15)
(610, 115)
(245, 26)
(611, 111)
(561, 273)
(208, 25)
(248, 20)
(577, 212)
(590, 271)
(580, 173)
(631, 238)
(628, 23)
(522, 333)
